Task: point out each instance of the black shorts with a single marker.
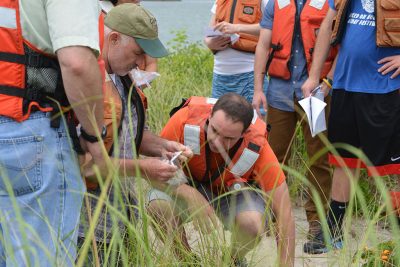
(369, 122)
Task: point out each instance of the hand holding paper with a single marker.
(210, 32)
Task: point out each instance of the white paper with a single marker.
(318, 4)
(283, 3)
(141, 77)
(106, 6)
(314, 107)
(210, 32)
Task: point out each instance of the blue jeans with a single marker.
(242, 84)
(41, 192)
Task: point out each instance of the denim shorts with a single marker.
(226, 207)
(242, 84)
(41, 192)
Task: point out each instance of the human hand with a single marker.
(218, 43)
(226, 27)
(157, 170)
(99, 157)
(259, 99)
(391, 63)
(172, 147)
(309, 85)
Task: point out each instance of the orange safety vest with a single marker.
(240, 12)
(283, 31)
(243, 155)
(387, 22)
(18, 98)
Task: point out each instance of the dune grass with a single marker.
(186, 72)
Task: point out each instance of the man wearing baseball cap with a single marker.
(130, 32)
(137, 22)
(130, 28)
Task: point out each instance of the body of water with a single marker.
(189, 15)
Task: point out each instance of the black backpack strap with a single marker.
(220, 170)
(135, 99)
(175, 109)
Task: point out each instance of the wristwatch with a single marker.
(92, 138)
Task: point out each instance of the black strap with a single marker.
(60, 96)
(220, 170)
(232, 16)
(275, 47)
(175, 109)
(13, 58)
(31, 60)
(12, 91)
(73, 134)
(254, 147)
(136, 100)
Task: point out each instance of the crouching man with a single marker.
(231, 154)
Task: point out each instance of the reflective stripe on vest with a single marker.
(8, 18)
(211, 100)
(245, 162)
(191, 137)
(255, 116)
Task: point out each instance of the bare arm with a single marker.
(282, 209)
(230, 28)
(152, 145)
(83, 87)
(82, 82)
(155, 146)
(261, 57)
(204, 217)
(322, 47)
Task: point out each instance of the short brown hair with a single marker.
(236, 108)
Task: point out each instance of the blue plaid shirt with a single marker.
(281, 93)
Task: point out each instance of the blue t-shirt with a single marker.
(357, 65)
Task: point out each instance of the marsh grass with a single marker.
(186, 72)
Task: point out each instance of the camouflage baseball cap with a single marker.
(137, 22)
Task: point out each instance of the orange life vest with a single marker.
(245, 152)
(387, 22)
(20, 94)
(283, 31)
(240, 12)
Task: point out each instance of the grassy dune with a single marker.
(187, 72)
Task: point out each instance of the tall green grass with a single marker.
(186, 72)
